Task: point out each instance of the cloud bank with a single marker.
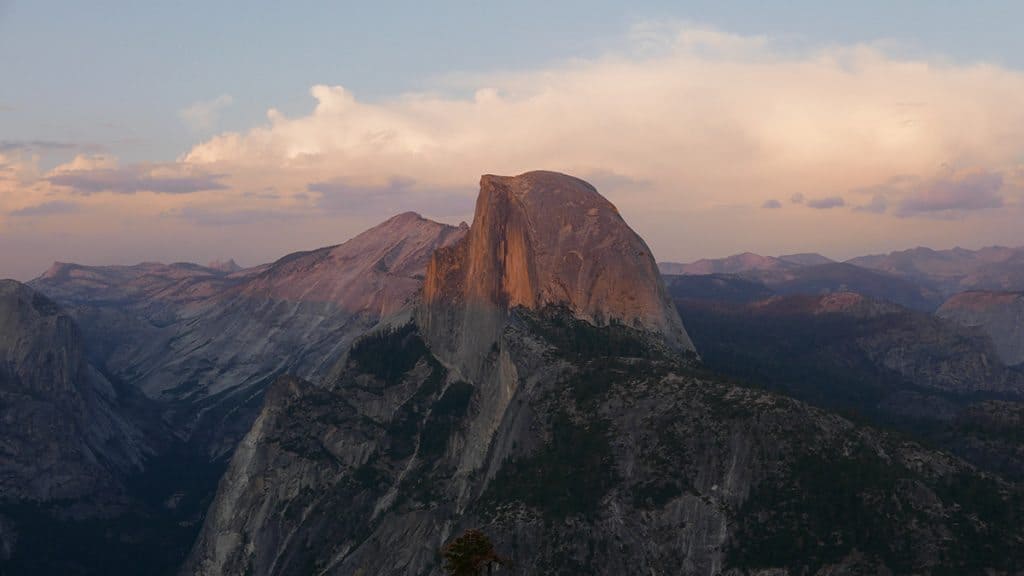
(826, 203)
(690, 132)
(172, 178)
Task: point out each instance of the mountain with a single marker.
(874, 361)
(1000, 315)
(73, 445)
(205, 343)
(736, 264)
(816, 279)
(840, 277)
(806, 259)
(228, 266)
(543, 239)
(716, 287)
(190, 350)
(812, 274)
(745, 262)
(956, 270)
(578, 431)
(155, 290)
(62, 435)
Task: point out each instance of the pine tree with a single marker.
(470, 554)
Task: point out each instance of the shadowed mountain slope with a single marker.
(576, 443)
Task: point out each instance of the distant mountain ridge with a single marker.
(921, 278)
(532, 376)
(782, 277)
(956, 270)
(738, 263)
(206, 342)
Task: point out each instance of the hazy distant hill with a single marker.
(206, 342)
(956, 270)
(716, 287)
(1000, 315)
(737, 264)
(806, 259)
(803, 274)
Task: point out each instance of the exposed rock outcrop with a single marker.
(206, 343)
(61, 434)
(1000, 315)
(603, 463)
(543, 239)
(578, 444)
(71, 443)
(228, 266)
(895, 367)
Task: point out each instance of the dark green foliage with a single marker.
(986, 514)
(840, 276)
(369, 477)
(717, 287)
(833, 361)
(568, 476)
(594, 380)
(576, 339)
(144, 538)
(44, 305)
(424, 482)
(389, 353)
(470, 554)
(404, 428)
(814, 358)
(828, 505)
(445, 414)
(655, 494)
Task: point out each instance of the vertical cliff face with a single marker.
(539, 394)
(60, 435)
(545, 239)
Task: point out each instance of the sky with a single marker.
(196, 131)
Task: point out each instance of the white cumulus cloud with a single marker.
(203, 115)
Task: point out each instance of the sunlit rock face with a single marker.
(542, 393)
(546, 239)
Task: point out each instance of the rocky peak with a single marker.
(228, 266)
(806, 259)
(544, 238)
(57, 270)
(735, 264)
(378, 268)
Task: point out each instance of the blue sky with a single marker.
(115, 74)
(171, 131)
